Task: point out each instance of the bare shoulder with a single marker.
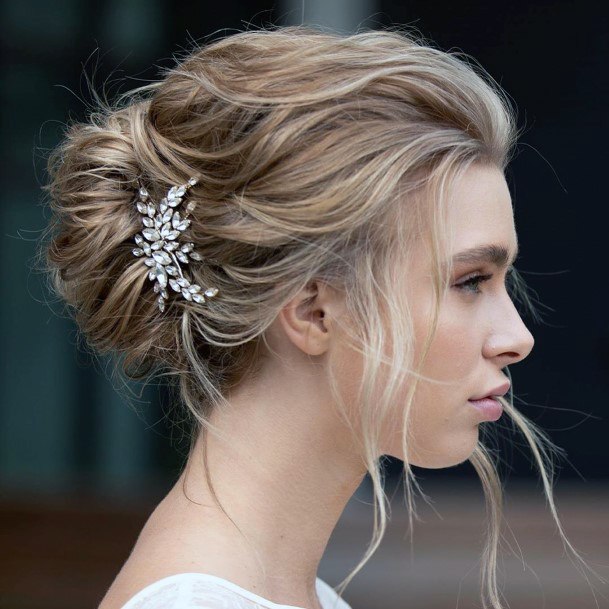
(165, 548)
(146, 566)
(134, 576)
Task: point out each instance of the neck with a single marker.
(284, 474)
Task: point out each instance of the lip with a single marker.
(489, 408)
(493, 393)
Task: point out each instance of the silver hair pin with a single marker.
(158, 241)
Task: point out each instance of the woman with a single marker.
(311, 234)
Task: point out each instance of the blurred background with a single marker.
(84, 459)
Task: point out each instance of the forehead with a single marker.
(481, 211)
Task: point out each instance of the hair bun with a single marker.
(93, 188)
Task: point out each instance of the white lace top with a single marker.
(204, 591)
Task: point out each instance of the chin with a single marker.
(441, 462)
(442, 454)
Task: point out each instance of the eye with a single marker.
(472, 284)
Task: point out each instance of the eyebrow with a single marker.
(495, 254)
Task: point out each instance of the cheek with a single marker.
(441, 430)
(453, 352)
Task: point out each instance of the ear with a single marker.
(308, 319)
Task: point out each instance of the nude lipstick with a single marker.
(488, 405)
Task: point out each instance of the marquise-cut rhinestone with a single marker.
(182, 257)
(150, 262)
(161, 276)
(143, 192)
(137, 252)
(141, 207)
(149, 222)
(210, 292)
(162, 257)
(158, 288)
(198, 298)
(151, 234)
(195, 256)
(175, 285)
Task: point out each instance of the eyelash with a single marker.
(472, 284)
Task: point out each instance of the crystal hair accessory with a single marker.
(158, 242)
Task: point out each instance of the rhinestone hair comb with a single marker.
(159, 243)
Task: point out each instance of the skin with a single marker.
(288, 467)
(479, 330)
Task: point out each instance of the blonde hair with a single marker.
(320, 156)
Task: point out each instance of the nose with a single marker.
(509, 341)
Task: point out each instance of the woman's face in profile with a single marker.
(479, 331)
